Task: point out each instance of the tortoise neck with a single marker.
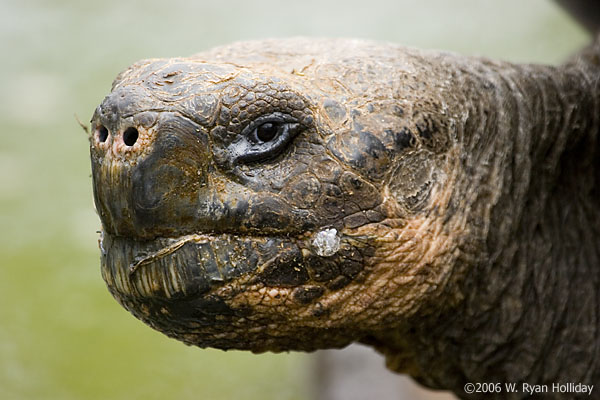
(531, 298)
(531, 252)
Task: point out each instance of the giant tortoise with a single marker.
(302, 194)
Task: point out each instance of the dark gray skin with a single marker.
(463, 193)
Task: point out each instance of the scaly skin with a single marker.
(463, 193)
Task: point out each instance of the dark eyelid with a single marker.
(264, 151)
(247, 148)
(273, 117)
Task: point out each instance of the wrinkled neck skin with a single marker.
(527, 273)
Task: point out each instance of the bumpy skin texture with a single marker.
(463, 193)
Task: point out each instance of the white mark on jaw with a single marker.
(326, 242)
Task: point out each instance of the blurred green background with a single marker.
(61, 334)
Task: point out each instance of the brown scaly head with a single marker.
(303, 194)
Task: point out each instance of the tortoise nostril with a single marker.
(102, 134)
(130, 136)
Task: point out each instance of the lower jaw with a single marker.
(185, 287)
(171, 283)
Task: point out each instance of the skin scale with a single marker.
(303, 194)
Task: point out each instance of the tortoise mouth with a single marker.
(192, 265)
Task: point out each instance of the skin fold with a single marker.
(302, 194)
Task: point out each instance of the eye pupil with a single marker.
(267, 131)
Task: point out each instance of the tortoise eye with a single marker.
(268, 131)
(265, 138)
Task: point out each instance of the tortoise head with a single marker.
(276, 195)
